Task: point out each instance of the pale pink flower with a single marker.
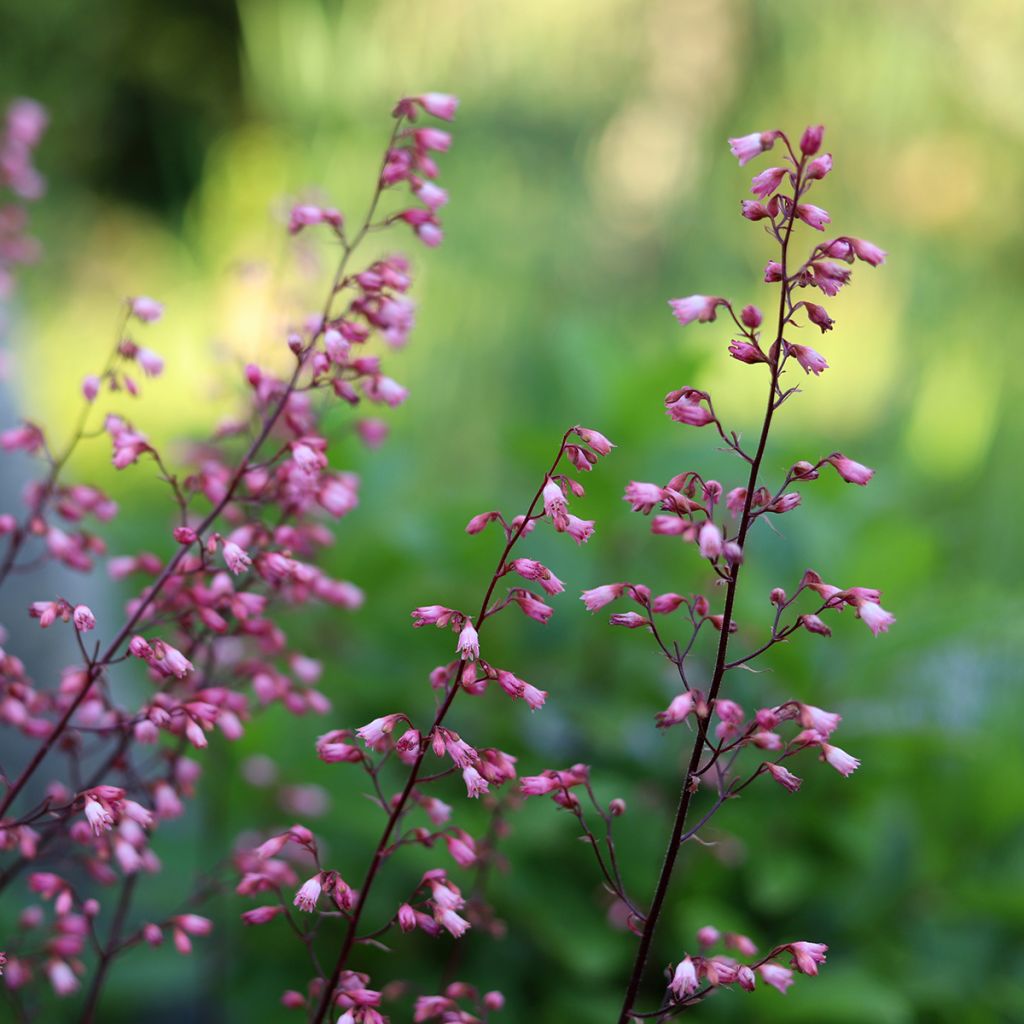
(684, 406)
(811, 361)
(777, 976)
(631, 620)
(595, 439)
(765, 183)
(877, 619)
(746, 147)
(235, 557)
(823, 722)
(468, 646)
(83, 618)
(146, 309)
(817, 169)
(554, 505)
(308, 894)
(152, 364)
(90, 387)
(261, 915)
(708, 935)
(808, 955)
(598, 597)
(696, 307)
(783, 776)
(813, 215)
(62, 978)
(710, 540)
(453, 924)
(852, 472)
(581, 530)
(374, 732)
(642, 497)
(844, 763)
(476, 784)
(677, 711)
(684, 979)
(439, 104)
(99, 817)
(868, 252)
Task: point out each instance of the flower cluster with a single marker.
(24, 124)
(433, 752)
(716, 518)
(251, 515)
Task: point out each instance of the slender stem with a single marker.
(107, 955)
(687, 789)
(398, 809)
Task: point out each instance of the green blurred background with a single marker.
(590, 182)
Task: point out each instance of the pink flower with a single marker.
(631, 620)
(235, 557)
(684, 406)
(746, 147)
(765, 183)
(99, 818)
(598, 597)
(581, 530)
(808, 955)
(823, 722)
(456, 926)
(777, 976)
(819, 316)
(439, 104)
(374, 732)
(868, 252)
(530, 569)
(476, 784)
(308, 894)
(753, 210)
(695, 307)
(817, 169)
(808, 358)
(90, 387)
(852, 472)
(684, 979)
(261, 915)
(83, 618)
(62, 978)
(810, 141)
(708, 935)
(642, 496)
(468, 646)
(172, 660)
(152, 364)
(676, 712)
(433, 138)
(783, 776)
(554, 505)
(710, 540)
(877, 619)
(146, 309)
(813, 215)
(745, 352)
(595, 439)
(843, 763)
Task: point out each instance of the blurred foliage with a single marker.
(591, 182)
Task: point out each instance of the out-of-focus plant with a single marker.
(249, 517)
(718, 522)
